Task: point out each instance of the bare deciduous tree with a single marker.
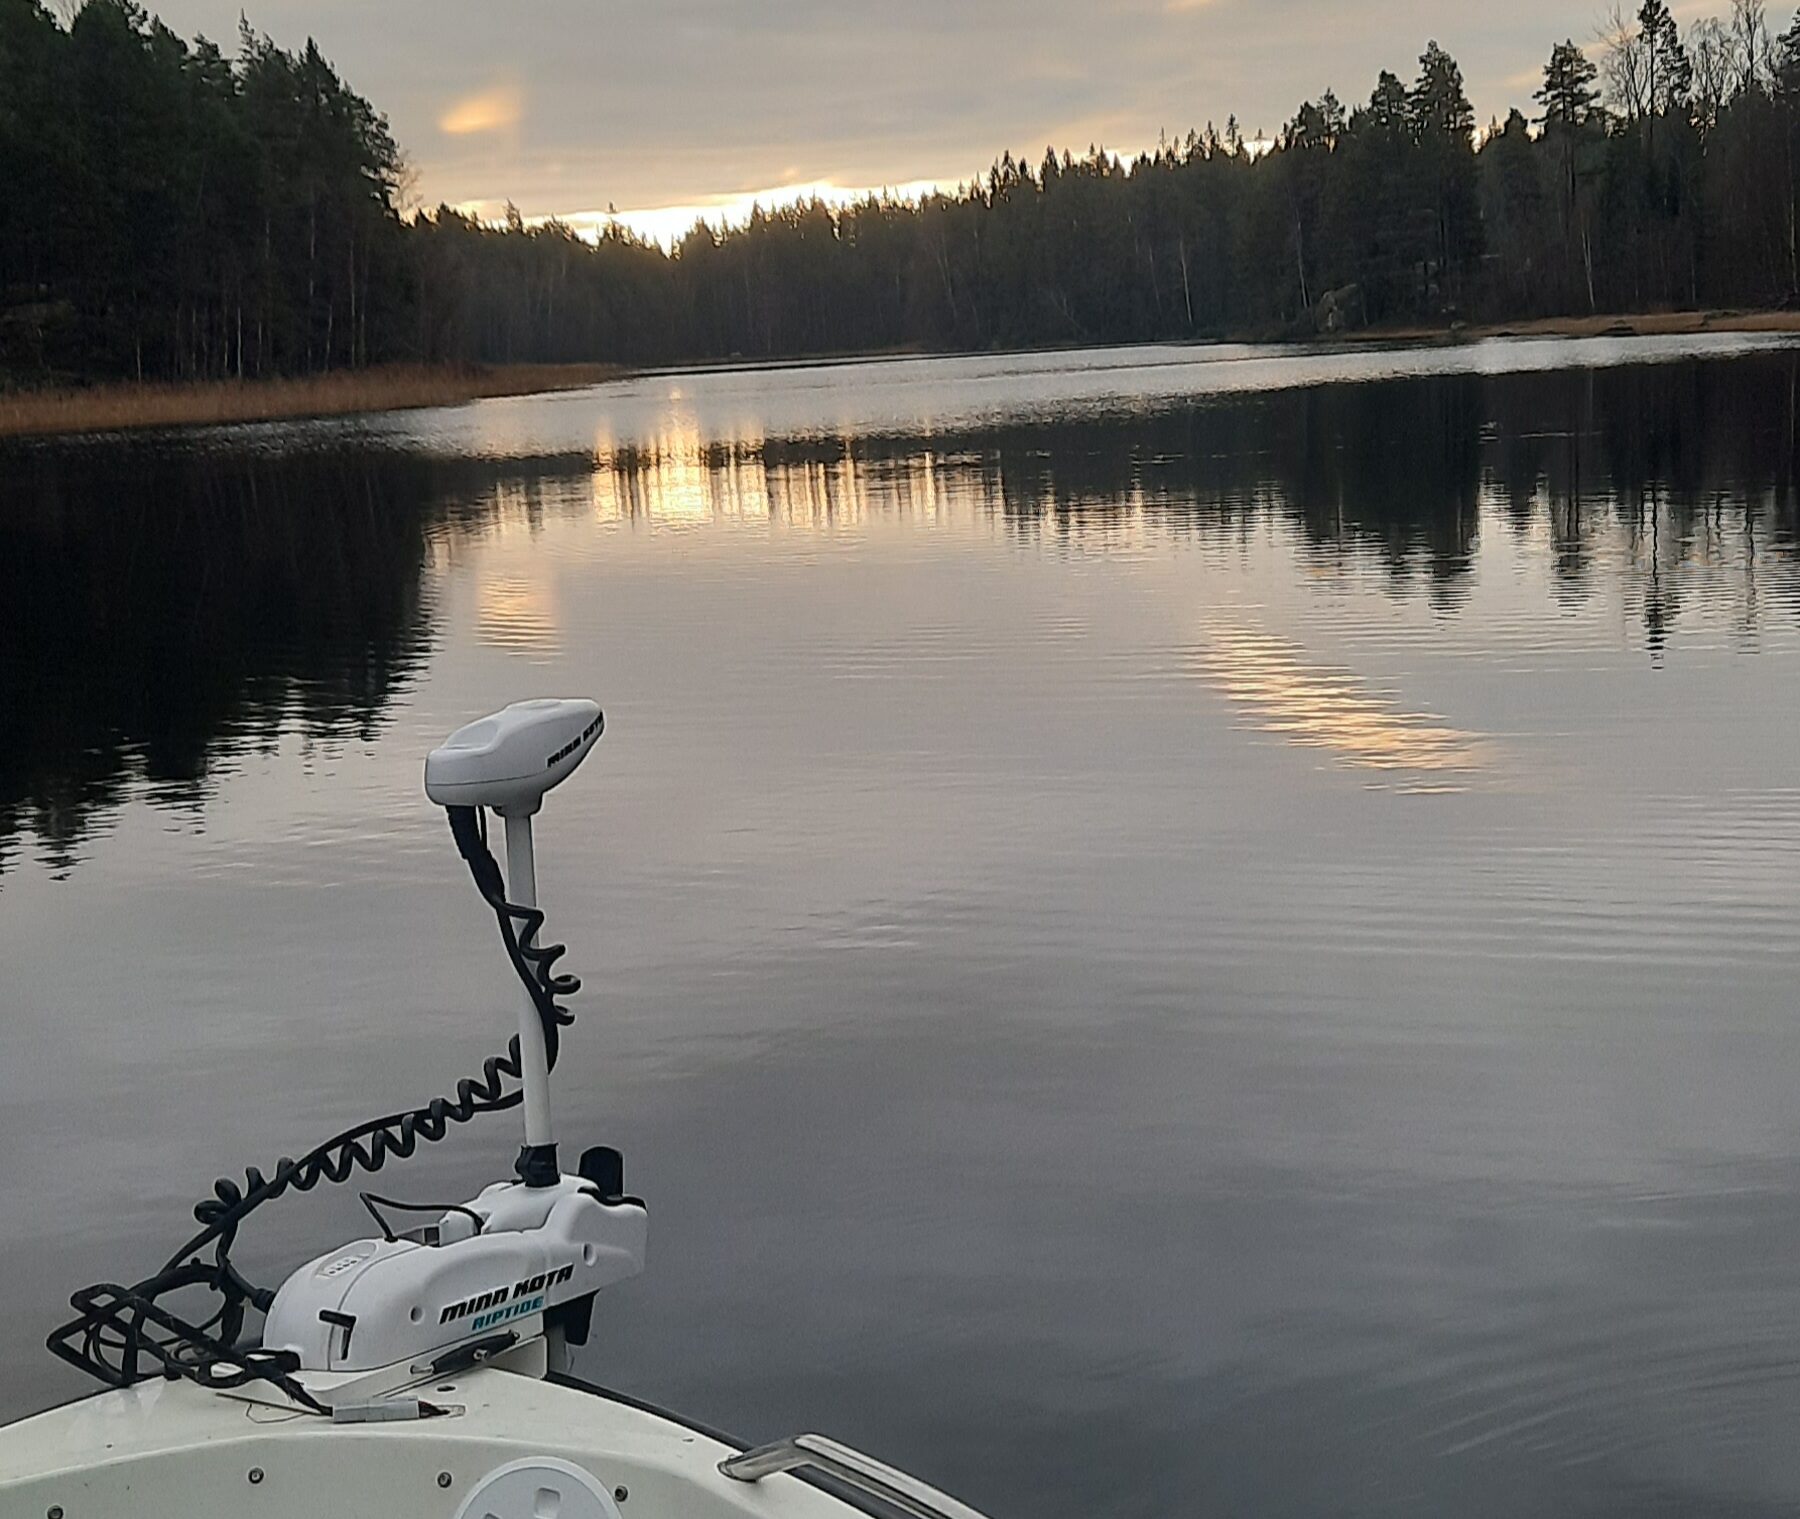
(1624, 62)
(1753, 53)
(1714, 54)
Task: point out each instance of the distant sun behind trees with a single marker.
(169, 212)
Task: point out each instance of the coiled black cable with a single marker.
(113, 1327)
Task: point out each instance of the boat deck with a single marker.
(171, 1448)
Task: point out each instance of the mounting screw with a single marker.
(255, 1475)
(443, 1479)
(621, 1493)
(53, 1512)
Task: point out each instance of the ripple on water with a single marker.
(1280, 692)
(518, 613)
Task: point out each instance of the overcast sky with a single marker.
(567, 106)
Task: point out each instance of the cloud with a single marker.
(487, 111)
(690, 105)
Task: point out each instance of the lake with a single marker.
(1174, 930)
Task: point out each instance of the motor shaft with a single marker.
(534, 1062)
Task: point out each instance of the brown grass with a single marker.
(106, 408)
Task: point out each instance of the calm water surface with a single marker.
(1166, 932)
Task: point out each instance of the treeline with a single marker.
(168, 211)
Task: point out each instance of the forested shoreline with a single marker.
(172, 212)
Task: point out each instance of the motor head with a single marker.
(508, 760)
(534, 1254)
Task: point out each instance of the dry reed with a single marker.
(108, 408)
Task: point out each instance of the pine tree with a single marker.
(1439, 105)
(1568, 94)
(1572, 122)
(1671, 73)
(1443, 125)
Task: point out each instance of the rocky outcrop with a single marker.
(1340, 310)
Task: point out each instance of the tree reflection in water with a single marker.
(166, 605)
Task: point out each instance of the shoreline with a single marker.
(1623, 324)
(1606, 325)
(126, 406)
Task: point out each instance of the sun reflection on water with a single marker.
(517, 613)
(1318, 707)
(683, 477)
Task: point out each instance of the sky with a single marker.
(673, 109)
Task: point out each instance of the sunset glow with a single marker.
(487, 112)
(668, 224)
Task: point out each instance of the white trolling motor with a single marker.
(522, 1258)
(519, 1262)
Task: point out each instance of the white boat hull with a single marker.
(173, 1450)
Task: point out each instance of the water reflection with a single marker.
(167, 604)
(1666, 471)
(1668, 465)
(1335, 711)
(164, 610)
(517, 612)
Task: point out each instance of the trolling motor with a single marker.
(519, 1263)
(508, 762)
